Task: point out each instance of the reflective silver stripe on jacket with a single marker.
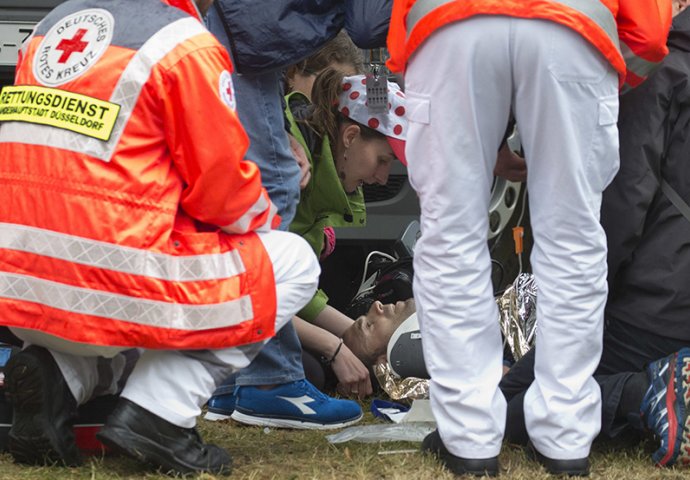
(593, 9)
(242, 224)
(637, 65)
(120, 307)
(93, 253)
(126, 94)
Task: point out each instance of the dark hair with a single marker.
(325, 118)
(340, 49)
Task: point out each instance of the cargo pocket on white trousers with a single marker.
(604, 159)
(420, 151)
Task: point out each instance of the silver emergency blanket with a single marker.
(397, 388)
(517, 308)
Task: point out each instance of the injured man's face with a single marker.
(368, 337)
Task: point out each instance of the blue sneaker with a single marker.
(664, 408)
(294, 405)
(220, 407)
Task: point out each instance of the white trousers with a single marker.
(461, 86)
(175, 384)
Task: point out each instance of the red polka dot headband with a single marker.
(392, 122)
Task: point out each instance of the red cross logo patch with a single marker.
(226, 89)
(72, 46)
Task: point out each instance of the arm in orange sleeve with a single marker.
(643, 27)
(208, 144)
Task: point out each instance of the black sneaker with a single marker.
(577, 467)
(459, 466)
(136, 432)
(44, 410)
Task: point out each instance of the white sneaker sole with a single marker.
(285, 423)
(215, 417)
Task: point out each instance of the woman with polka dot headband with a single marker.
(342, 113)
(350, 142)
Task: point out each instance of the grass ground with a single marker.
(284, 454)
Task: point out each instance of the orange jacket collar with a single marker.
(186, 6)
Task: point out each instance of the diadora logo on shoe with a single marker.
(301, 403)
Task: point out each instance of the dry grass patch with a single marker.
(289, 454)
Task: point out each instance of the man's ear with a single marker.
(349, 134)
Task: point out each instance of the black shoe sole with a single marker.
(33, 438)
(432, 444)
(571, 468)
(127, 442)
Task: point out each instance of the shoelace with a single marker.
(659, 413)
(312, 391)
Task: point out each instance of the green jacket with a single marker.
(323, 203)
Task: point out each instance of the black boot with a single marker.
(44, 410)
(577, 467)
(459, 466)
(135, 431)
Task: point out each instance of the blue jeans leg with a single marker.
(280, 361)
(260, 109)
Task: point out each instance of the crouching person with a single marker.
(129, 227)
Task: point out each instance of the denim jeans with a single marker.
(260, 109)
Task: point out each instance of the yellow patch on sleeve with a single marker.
(60, 109)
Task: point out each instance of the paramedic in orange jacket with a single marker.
(124, 227)
(557, 66)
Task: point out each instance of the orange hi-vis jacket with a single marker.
(631, 34)
(128, 212)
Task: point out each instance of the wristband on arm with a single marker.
(327, 362)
